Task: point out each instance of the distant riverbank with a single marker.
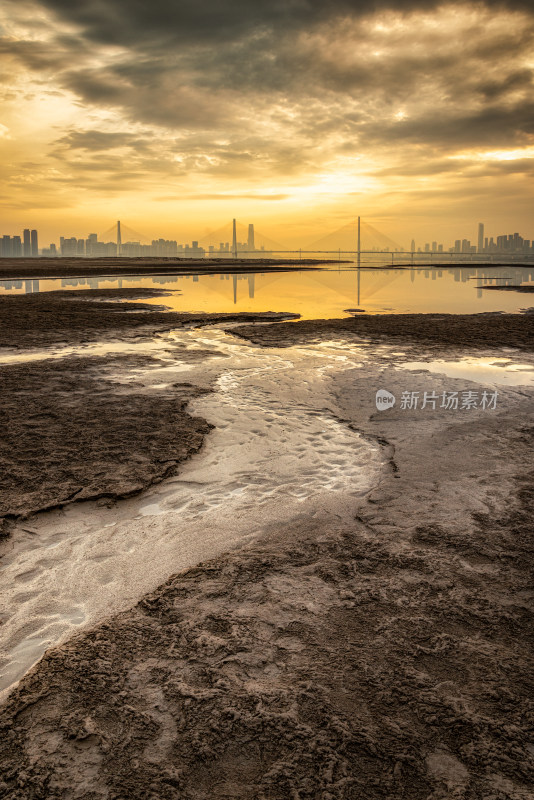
(33, 268)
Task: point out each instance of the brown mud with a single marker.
(518, 288)
(49, 318)
(32, 268)
(67, 434)
(385, 659)
(441, 331)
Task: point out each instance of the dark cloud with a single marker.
(520, 79)
(466, 167)
(95, 140)
(127, 23)
(489, 127)
(257, 91)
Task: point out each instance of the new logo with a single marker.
(384, 400)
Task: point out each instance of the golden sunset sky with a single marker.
(297, 115)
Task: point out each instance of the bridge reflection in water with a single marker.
(324, 293)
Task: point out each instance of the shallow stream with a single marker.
(277, 453)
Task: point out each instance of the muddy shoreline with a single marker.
(518, 288)
(32, 269)
(385, 657)
(68, 434)
(440, 331)
(82, 316)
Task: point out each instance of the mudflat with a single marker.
(385, 655)
(32, 268)
(80, 316)
(68, 433)
(441, 331)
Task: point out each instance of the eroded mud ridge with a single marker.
(51, 318)
(68, 435)
(441, 331)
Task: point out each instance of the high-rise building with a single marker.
(480, 248)
(250, 240)
(69, 247)
(91, 244)
(412, 246)
(27, 247)
(234, 238)
(7, 246)
(35, 244)
(17, 246)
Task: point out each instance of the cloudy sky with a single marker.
(176, 115)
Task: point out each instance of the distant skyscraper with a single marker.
(17, 246)
(234, 239)
(119, 238)
(35, 244)
(412, 246)
(7, 245)
(250, 241)
(27, 247)
(480, 237)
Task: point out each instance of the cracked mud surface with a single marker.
(326, 662)
(67, 434)
(388, 657)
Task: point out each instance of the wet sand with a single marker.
(388, 655)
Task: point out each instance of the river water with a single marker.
(325, 293)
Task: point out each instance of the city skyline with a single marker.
(416, 113)
(91, 246)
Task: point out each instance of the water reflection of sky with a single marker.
(324, 293)
(502, 371)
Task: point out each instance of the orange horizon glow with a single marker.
(417, 120)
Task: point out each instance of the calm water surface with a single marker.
(326, 293)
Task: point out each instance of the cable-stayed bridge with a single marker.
(344, 238)
(127, 234)
(356, 241)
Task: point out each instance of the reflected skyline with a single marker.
(324, 293)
